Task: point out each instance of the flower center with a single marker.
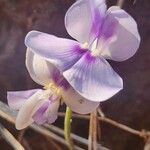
(52, 86)
(46, 94)
(92, 47)
(94, 50)
(85, 45)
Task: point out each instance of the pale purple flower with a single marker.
(101, 34)
(83, 76)
(41, 105)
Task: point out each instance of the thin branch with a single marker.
(20, 135)
(6, 114)
(10, 138)
(99, 130)
(47, 133)
(100, 112)
(22, 140)
(121, 126)
(112, 122)
(147, 144)
(92, 145)
(120, 3)
(77, 116)
(75, 137)
(10, 115)
(95, 130)
(90, 138)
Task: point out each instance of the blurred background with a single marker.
(131, 106)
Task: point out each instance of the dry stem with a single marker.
(9, 115)
(10, 138)
(112, 122)
(120, 3)
(92, 145)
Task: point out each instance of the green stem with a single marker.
(67, 128)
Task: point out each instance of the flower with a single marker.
(76, 70)
(41, 105)
(101, 34)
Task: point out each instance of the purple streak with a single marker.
(108, 27)
(59, 80)
(96, 24)
(77, 50)
(89, 58)
(39, 116)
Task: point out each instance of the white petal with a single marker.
(77, 103)
(125, 42)
(24, 117)
(84, 18)
(93, 78)
(17, 98)
(63, 53)
(52, 111)
(48, 112)
(39, 116)
(40, 70)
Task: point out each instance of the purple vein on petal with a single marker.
(70, 57)
(108, 27)
(96, 24)
(89, 58)
(59, 80)
(63, 53)
(38, 116)
(78, 50)
(98, 13)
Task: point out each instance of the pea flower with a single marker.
(76, 70)
(101, 34)
(41, 105)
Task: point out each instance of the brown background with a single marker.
(131, 106)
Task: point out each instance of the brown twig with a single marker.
(121, 126)
(22, 140)
(95, 130)
(147, 145)
(92, 144)
(100, 112)
(99, 130)
(120, 3)
(110, 121)
(10, 115)
(10, 138)
(20, 135)
(47, 133)
(75, 137)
